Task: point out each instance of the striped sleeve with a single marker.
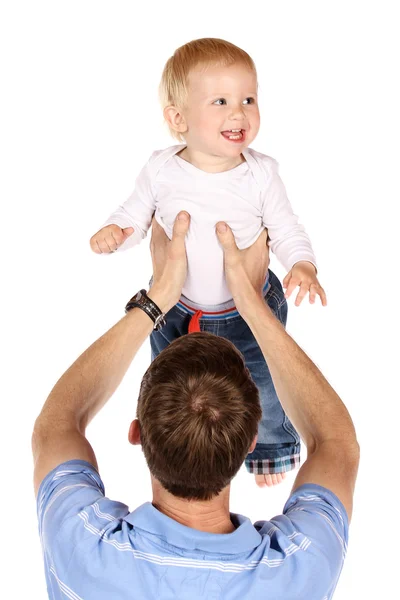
(317, 513)
(66, 494)
(321, 512)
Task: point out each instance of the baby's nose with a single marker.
(237, 112)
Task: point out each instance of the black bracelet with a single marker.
(141, 300)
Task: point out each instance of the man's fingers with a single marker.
(158, 239)
(155, 227)
(261, 241)
(303, 291)
(225, 237)
(228, 243)
(181, 225)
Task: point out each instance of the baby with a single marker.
(209, 97)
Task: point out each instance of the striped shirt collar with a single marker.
(148, 519)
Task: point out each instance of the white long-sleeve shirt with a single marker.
(249, 197)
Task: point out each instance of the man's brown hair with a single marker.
(198, 412)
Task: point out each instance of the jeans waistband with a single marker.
(218, 311)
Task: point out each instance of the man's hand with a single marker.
(59, 433)
(245, 270)
(109, 239)
(169, 262)
(304, 275)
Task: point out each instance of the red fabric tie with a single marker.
(194, 324)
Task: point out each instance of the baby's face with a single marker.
(221, 99)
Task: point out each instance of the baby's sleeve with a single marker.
(288, 238)
(137, 211)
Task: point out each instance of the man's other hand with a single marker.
(245, 270)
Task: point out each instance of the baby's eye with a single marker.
(220, 101)
(249, 101)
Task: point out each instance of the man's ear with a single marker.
(175, 119)
(134, 433)
(253, 445)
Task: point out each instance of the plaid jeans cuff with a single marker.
(268, 466)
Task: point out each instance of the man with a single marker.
(198, 413)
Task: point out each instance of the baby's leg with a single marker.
(278, 444)
(177, 325)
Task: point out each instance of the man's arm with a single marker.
(310, 402)
(59, 431)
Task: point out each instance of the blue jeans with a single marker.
(278, 443)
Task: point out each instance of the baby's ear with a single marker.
(175, 119)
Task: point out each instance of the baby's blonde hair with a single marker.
(204, 51)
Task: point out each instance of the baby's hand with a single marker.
(304, 274)
(109, 239)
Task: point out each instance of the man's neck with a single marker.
(211, 516)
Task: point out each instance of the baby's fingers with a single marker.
(286, 280)
(292, 285)
(300, 296)
(94, 246)
(103, 244)
(322, 295)
(110, 242)
(314, 290)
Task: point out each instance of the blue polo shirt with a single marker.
(95, 549)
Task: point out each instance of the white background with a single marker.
(80, 116)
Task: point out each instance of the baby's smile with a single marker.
(234, 135)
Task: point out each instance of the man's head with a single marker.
(198, 412)
(208, 87)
